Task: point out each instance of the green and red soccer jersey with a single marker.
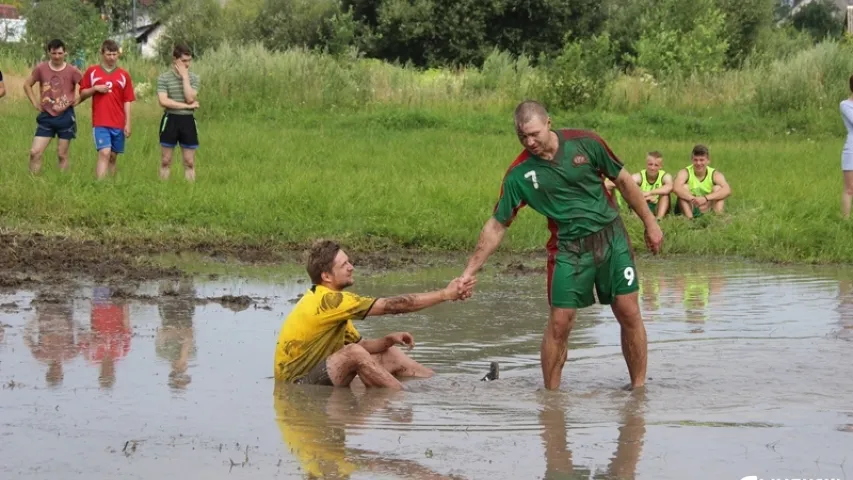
(108, 108)
(569, 191)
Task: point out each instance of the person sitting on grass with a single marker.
(655, 183)
(700, 188)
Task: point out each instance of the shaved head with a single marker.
(530, 110)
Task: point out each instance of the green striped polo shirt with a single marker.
(171, 83)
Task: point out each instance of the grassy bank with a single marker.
(417, 166)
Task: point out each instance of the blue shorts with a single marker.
(112, 138)
(63, 126)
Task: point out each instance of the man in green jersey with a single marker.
(560, 174)
(699, 187)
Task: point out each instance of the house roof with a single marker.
(143, 31)
(8, 11)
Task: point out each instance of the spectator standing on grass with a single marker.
(177, 92)
(846, 107)
(2, 86)
(111, 89)
(57, 82)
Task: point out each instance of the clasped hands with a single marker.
(460, 288)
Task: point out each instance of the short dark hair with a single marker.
(700, 151)
(851, 83)
(528, 110)
(109, 45)
(180, 50)
(54, 44)
(321, 259)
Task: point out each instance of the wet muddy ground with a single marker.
(33, 259)
(170, 377)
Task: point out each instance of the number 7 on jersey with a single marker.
(532, 175)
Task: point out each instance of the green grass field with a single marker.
(419, 174)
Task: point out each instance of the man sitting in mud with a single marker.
(655, 183)
(318, 343)
(699, 187)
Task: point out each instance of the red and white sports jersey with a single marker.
(108, 108)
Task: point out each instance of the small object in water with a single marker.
(494, 373)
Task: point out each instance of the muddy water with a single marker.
(750, 367)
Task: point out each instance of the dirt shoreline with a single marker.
(37, 258)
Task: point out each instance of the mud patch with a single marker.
(28, 259)
(236, 304)
(231, 302)
(519, 268)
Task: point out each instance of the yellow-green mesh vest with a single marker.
(648, 187)
(697, 188)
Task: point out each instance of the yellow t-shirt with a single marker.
(319, 325)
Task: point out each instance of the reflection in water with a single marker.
(845, 309)
(697, 285)
(651, 288)
(558, 456)
(313, 421)
(768, 364)
(50, 335)
(175, 340)
(109, 337)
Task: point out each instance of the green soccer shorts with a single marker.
(574, 270)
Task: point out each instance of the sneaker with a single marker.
(494, 373)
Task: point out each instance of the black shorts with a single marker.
(318, 375)
(178, 129)
(63, 126)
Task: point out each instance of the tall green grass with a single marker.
(298, 145)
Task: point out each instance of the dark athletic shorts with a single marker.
(63, 126)
(316, 376)
(178, 129)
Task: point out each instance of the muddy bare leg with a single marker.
(354, 360)
(113, 160)
(626, 308)
(165, 162)
(103, 163)
(37, 152)
(555, 345)
(401, 365)
(62, 148)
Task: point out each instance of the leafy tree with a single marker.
(744, 21)
(78, 25)
(198, 23)
(534, 27)
(682, 37)
(820, 18)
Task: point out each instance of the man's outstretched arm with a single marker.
(413, 302)
(490, 238)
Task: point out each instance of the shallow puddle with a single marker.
(750, 374)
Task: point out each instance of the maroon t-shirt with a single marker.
(57, 87)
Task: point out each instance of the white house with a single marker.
(146, 35)
(12, 26)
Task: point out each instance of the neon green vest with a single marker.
(648, 187)
(644, 186)
(697, 188)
